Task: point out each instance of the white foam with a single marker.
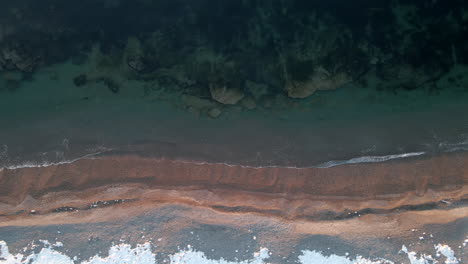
(196, 257)
(369, 159)
(142, 254)
(124, 254)
(48, 256)
(316, 257)
(453, 147)
(34, 164)
(333, 163)
(414, 259)
(119, 254)
(6, 257)
(328, 164)
(443, 250)
(448, 253)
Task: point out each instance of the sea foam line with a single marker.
(32, 164)
(329, 164)
(369, 159)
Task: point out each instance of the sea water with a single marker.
(49, 121)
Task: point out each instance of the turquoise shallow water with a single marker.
(48, 120)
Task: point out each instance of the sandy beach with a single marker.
(387, 204)
(305, 193)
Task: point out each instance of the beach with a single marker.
(410, 201)
(234, 132)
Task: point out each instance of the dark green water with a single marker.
(48, 121)
(141, 77)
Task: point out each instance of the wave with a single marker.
(41, 164)
(329, 164)
(369, 159)
(453, 147)
(443, 147)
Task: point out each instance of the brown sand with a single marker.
(447, 172)
(293, 193)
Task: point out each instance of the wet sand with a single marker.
(235, 236)
(370, 209)
(341, 192)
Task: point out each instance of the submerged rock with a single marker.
(257, 90)
(248, 103)
(15, 56)
(404, 76)
(80, 80)
(197, 102)
(134, 55)
(225, 95)
(136, 63)
(113, 86)
(320, 80)
(214, 112)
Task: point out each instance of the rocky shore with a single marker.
(237, 54)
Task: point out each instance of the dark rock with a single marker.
(112, 85)
(65, 209)
(16, 56)
(137, 64)
(80, 80)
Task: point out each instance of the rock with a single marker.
(224, 95)
(111, 84)
(80, 80)
(248, 103)
(194, 111)
(403, 76)
(17, 57)
(256, 89)
(134, 55)
(214, 112)
(320, 80)
(197, 102)
(136, 63)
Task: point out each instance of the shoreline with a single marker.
(324, 165)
